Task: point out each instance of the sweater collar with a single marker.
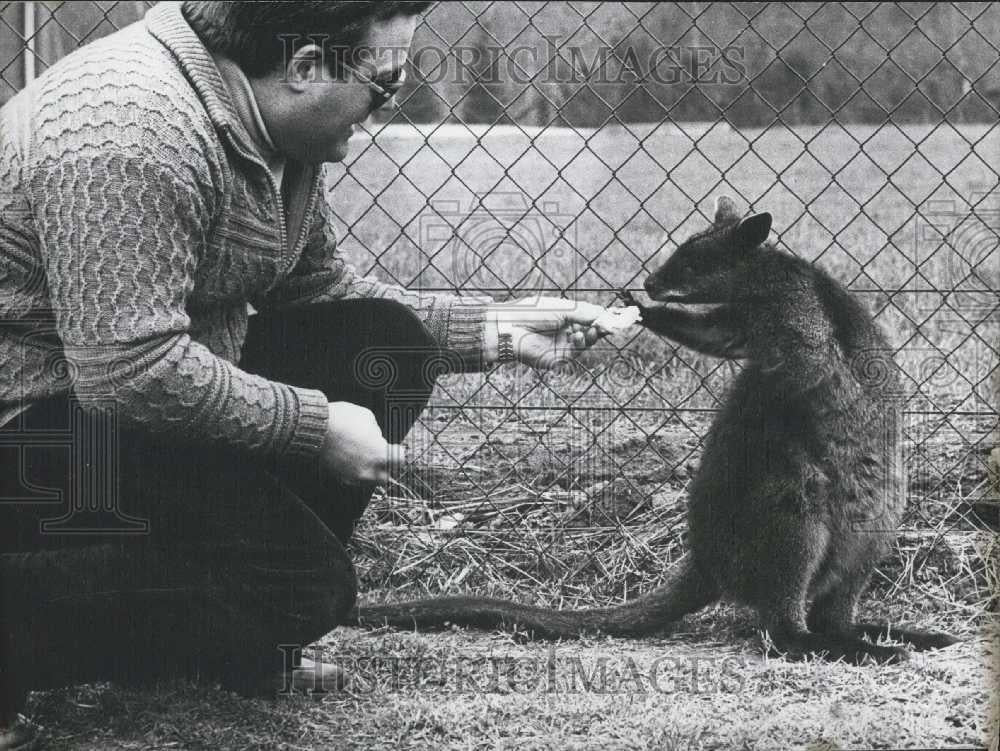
(245, 102)
(167, 24)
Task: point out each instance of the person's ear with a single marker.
(306, 66)
(753, 230)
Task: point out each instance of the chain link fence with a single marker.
(554, 148)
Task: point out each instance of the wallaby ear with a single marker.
(753, 230)
(725, 211)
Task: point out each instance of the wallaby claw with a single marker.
(625, 295)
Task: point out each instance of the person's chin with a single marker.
(338, 149)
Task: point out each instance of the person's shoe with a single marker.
(310, 677)
(20, 735)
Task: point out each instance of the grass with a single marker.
(705, 686)
(514, 494)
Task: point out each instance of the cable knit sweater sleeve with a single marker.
(124, 198)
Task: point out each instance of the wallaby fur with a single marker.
(800, 488)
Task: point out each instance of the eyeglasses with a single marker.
(382, 91)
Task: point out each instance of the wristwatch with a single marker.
(505, 348)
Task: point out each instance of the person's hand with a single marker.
(354, 449)
(545, 330)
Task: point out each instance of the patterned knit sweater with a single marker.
(137, 220)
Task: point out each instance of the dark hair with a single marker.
(255, 34)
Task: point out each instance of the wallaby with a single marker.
(800, 487)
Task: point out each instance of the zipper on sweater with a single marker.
(293, 251)
(275, 191)
(307, 213)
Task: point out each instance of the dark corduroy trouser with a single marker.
(173, 559)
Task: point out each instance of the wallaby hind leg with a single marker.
(832, 617)
(783, 610)
(787, 629)
(833, 612)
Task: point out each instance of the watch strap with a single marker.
(505, 348)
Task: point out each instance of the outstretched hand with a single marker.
(548, 330)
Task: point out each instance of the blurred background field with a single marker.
(508, 212)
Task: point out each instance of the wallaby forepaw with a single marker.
(625, 295)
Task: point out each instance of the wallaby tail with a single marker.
(684, 592)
